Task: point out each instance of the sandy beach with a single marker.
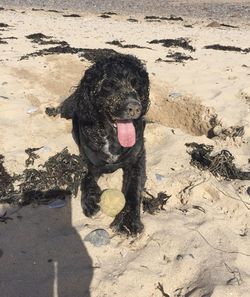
(199, 244)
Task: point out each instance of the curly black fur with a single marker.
(115, 89)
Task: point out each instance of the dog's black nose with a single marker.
(133, 108)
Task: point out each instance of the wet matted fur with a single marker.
(107, 109)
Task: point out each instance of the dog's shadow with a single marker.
(42, 255)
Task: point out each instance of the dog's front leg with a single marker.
(90, 193)
(134, 178)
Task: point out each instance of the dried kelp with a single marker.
(220, 164)
(58, 177)
(32, 156)
(171, 18)
(53, 111)
(224, 133)
(118, 43)
(179, 42)
(153, 204)
(227, 48)
(90, 54)
(42, 39)
(176, 58)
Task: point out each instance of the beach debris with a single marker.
(176, 58)
(227, 48)
(4, 97)
(215, 24)
(53, 111)
(171, 18)
(159, 177)
(179, 42)
(57, 178)
(90, 54)
(112, 201)
(153, 204)
(73, 15)
(58, 203)
(110, 13)
(104, 16)
(119, 44)
(223, 133)
(32, 156)
(174, 95)
(32, 109)
(3, 25)
(42, 39)
(220, 164)
(160, 287)
(98, 237)
(132, 20)
(3, 41)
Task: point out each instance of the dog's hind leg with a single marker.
(134, 178)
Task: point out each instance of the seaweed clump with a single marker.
(179, 42)
(220, 164)
(153, 204)
(90, 54)
(58, 177)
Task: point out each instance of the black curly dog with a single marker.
(107, 109)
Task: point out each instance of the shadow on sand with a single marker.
(42, 255)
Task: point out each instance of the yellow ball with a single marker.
(112, 202)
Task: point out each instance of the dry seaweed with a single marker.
(3, 25)
(160, 287)
(58, 177)
(53, 111)
(42, 39)
(3, 41)
(118, 43)
(220, 164)
(171, 18)
(176, 58)
(32, 156)
(104, 16)
(179, 42)
(223, 133)
(73, 15)
(132, 20)
(90, 54)
(227, 48)
(153, 204)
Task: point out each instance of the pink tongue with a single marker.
(126, 133)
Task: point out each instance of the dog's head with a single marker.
(115, 90)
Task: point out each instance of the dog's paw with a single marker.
(124, 223)
(89, 205)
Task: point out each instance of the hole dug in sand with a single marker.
(178, 111)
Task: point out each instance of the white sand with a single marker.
(189, 251)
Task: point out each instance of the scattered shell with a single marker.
(32, 109)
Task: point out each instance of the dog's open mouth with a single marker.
(126, 133)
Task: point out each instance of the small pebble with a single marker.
(248, 191)
(98, 237)
(57, 203)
